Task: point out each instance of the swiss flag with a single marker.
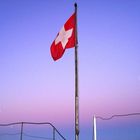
(65, 38)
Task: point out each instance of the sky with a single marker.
(33, 87)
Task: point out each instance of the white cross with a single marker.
(63, 36)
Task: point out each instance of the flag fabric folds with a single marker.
(65, 38)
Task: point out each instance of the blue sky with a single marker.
(35, 88)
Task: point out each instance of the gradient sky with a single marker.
(35, 88)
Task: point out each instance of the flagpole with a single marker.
(94, 129)
(76, 81)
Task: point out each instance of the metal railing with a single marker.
(118, 115)
(107, 119)
(22, 124)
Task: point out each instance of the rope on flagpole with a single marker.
(118, 115)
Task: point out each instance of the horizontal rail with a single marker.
(118, 115)
(34, 123)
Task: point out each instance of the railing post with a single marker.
(53, 133)
(21, 133)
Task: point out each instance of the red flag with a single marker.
(65, 38)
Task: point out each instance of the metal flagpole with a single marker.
(94, 129)
(76, 81)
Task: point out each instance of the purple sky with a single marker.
(35, 88)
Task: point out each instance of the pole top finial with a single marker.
(75, 4)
